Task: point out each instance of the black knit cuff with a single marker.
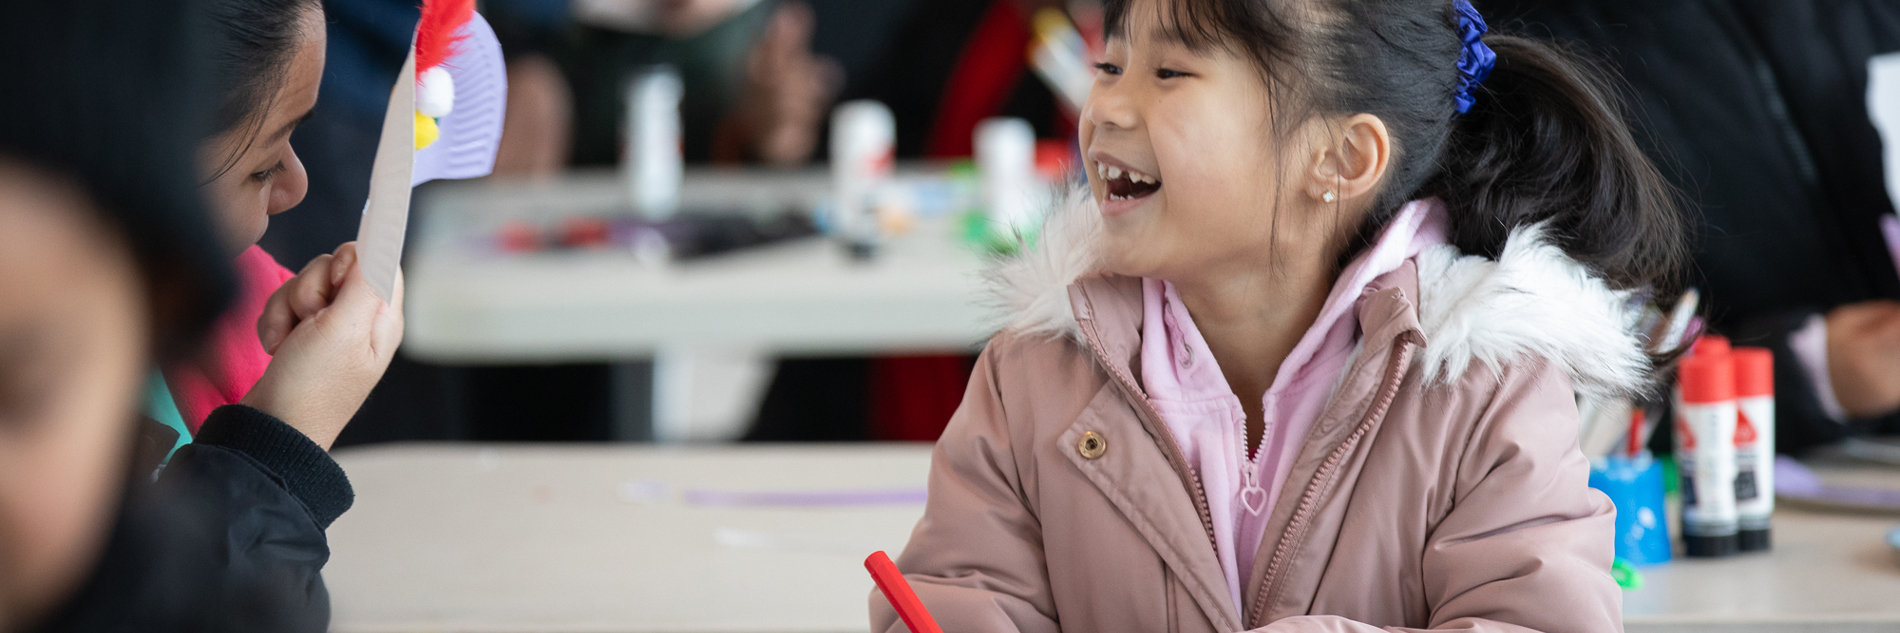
(306, 470)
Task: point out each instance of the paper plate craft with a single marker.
(443, 122)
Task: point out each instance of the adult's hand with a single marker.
(788, 91)
(1863, 357)
(330, 338)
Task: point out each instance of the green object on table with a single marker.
(976, 230)
(1671, 485)
(964, 169)
(1626, 575)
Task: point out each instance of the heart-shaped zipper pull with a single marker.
(1255, 498)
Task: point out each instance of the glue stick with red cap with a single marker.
(1710, 345)
(1705, 454)
(1754, 445)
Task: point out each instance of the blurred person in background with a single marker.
(755, 91)
(950, 65)
(1757, 110)
(955, 63)
(110, 264)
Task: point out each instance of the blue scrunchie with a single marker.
(1476, 59)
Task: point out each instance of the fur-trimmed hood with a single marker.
(1533, 300)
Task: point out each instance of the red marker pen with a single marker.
(897, 590)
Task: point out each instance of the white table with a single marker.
(921, 293)
(459, 537)
(448, 538)
(1828, 571)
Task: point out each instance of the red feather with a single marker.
(438, 33)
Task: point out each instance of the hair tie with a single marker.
(1474, 59)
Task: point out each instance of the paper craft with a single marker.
(471, 131)
(386, 213)
(443, 121)
(1883, 108)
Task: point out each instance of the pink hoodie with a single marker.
(234, 357)
(1196, 402)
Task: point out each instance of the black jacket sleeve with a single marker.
(229, 537)
(277, 451)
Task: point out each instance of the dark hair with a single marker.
(250, 55)
(105, 92)
(1546, 141)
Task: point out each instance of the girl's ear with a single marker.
(1351, 161)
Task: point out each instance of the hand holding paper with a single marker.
(334, 328)
(331, 339)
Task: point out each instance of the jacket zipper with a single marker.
(1152, 418)
(1395, 371)
(1296, 527)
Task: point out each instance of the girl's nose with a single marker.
(288, 189)
(1110, 106)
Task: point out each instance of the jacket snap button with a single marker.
(1092, 445)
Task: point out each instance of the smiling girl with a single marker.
(1305, 358)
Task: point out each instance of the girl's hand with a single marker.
(331, 338)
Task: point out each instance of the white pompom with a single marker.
(435, 93)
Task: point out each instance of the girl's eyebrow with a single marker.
(291, 127)
(1165, 35)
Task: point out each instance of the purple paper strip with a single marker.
(1795, 481)
(806, 498)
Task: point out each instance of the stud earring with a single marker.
(1326, 197)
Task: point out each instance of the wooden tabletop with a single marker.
(639, 538)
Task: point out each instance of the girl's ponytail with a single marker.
(1546, 141)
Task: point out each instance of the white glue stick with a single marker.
(1754, 445)
(652, 165)
(863, 149)
(1705, 454)
(1006, 157)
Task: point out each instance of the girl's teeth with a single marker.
(1110, 172)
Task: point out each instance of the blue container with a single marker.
(1635, 485)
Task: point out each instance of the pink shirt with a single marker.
(234, 358)
(1199, 407)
